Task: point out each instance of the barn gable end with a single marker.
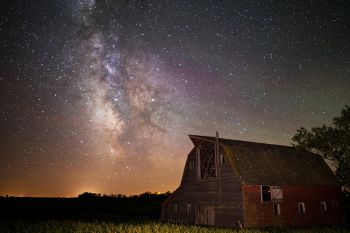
(202, 194)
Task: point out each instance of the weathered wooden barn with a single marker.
(246, 184)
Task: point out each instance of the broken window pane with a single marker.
(207, 162)
(265, 193)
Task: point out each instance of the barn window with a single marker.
(276, 193)
(176, 208)
(335, 203)
(301, 207)
(271, 193)
(191, 165)
(265, 193)
(276, 209)
(323, 206)
(189, 208)
(206, 163)
(222, 159)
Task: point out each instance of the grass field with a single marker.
(73, 226)
(104, 215)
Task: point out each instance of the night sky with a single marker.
(100, 96)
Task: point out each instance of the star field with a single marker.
(100, 96)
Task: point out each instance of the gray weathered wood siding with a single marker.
(201, 193)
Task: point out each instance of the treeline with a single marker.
(89, 195)
(143, 196)
(85, 206)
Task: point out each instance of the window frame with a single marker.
(200, 175)
(191, 165)
(276, 193)
(189, 208)
(303, 209)
(278, 209)
(323, 206)
(223, 159)
(264, 193)
(335, 203)
(176, 208)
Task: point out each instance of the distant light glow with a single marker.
(100, 96)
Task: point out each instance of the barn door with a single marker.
(206, 215)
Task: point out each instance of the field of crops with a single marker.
(72, 226)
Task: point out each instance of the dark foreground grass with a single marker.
(75, 226)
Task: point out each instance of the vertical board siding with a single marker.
(228, 206)
(258, 214)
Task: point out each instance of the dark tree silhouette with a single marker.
(331, 142)
(144, 196)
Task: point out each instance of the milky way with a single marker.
(100, 95)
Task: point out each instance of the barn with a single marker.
(235, 183)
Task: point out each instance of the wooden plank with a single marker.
(205, 192)
(258, 214)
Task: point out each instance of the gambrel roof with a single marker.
(268, 164)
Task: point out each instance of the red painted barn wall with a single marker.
(257, 213)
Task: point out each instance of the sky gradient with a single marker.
(100, 96)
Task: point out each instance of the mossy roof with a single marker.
(268, 164)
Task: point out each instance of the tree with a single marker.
(331, 142)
